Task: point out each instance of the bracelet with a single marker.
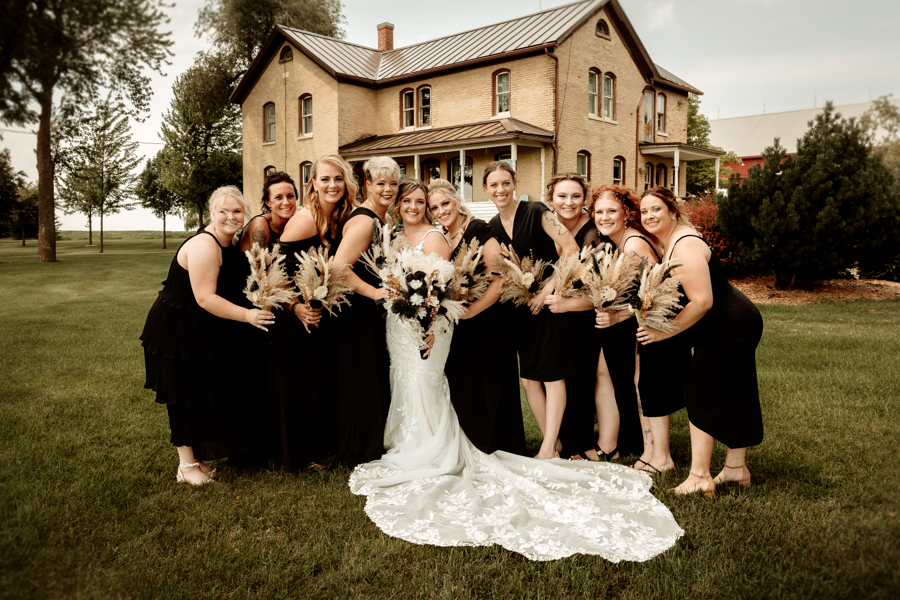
(293, 306)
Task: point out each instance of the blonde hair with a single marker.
(330, 227)
(409, 185)
(218, 197)
(446, 188)
(381, 166)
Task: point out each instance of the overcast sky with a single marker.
(746, 55)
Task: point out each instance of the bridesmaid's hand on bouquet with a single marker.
(259, 318)
(608, 319)
(557, 304)
(646, 335)
(307, 316)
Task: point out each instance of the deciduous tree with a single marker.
(153, 195)
(700, 175)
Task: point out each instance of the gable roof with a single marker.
(750, 135)
(530, 33)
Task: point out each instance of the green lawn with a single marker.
(90, 508)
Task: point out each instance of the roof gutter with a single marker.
(672, 84)
(555, 143)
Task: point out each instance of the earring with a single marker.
(584, 210)
(673, 218)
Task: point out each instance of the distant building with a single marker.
(567, 89)
(749, 136)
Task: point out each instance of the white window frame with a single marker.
(661, 113)
(593, 94)
(619, 164)
(306, 118)
(269, 120)
(609, 97)
(422, 107)
(305, 174)
(586, 158)
(497, 93)
(409, 112)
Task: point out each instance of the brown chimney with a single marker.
(386, 37)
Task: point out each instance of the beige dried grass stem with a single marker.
(658, 294)
(268, 286)
(322, 279)
(518, 277)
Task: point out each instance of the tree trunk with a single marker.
(101, 231)
(90, 229)
(164, 231)
(23, 235)
(46, 217)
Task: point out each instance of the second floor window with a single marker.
(609, 96)
(661, 113)
(306, 115)
(593, 97)
(269, 122)
(409, 109)
(424, 106)
(501, 92)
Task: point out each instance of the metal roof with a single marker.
(668, 77)
(444, 137)
(749, 136)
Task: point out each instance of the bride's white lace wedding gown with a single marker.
(434, 487)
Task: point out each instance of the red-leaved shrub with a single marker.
(702, 213)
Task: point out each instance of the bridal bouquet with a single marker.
(572, 274)
(520, 279)
(267, 285)
(470, 278)
(656, 301)
(613, 279)
(321, 281)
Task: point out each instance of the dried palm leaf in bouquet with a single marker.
(268, 286)
(658, 296)
(572, 272)
(383, 248)
(520, 279)
(321, 281)
(471, 278)
(613, 279)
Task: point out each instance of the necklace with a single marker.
(375, 210)
(458, 233)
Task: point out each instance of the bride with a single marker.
(434, 487)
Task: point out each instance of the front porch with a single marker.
(675, 155)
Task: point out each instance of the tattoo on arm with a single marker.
(259, 237)
(560, 228)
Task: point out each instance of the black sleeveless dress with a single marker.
(274, 236)
(546, 348)
(303, 378)
(364, 391)
(483, 371)
(722, 392)
(576, 432)
(192, 360)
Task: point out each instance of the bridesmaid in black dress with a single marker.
(279, 205)
(305, 409)
(546, 355)
(724, 328)
(616, 216)
(567, 193)
(190, 341)
(482, 368)
(363, 364)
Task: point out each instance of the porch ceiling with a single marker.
(492, 132)
(685, 152)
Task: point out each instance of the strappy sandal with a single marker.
(652, 470)
(605, 456)
(179, 476)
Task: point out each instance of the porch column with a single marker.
(514, 157)
(416, 163)
(677, 164)
(543, 157)
(462, 174)
(717, 175)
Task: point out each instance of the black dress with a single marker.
(722, 392)
(546, 348)
(364, 391)
(483, 371)
(303, 378)
(193, 358)
(576, 432)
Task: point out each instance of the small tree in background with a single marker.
(153, 195)
(23, 219)
(829, 208)
(10, 182)
(700, 175)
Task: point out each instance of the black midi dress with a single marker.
(483, 371)
(303, 378)
(192, 360)
(547, 345)
(364, 389)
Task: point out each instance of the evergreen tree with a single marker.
(10, 182)
(56, 54)
(100, 176)
(700, 175)
(829, 208)
(23, 216)
(153, 195)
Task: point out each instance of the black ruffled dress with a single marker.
(194, 360)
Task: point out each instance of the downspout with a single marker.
(556, 115)
(637, 142)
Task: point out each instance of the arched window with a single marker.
(305, 174)
(618, 170)
(431, 170)
(661, 113)
(609, 96)
(661, 175)
(501, 92)
(286, 54)
(424, 106)
(269, 122)
(602, 29)
(306, 114)
(453, 168)
(407, 109)
(268, 171)
(647, 119)
(583, 164)
(648, 176)
(594, 92)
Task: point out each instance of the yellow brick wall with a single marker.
(357, 109)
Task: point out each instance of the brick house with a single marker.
(567, 89)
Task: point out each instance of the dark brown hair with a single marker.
(674, 205)
(576, 177)
(407, 187)
(272, 179)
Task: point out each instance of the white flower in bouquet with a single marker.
(320, 292)
(527, 278)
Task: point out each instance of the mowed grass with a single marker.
(90, 508)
